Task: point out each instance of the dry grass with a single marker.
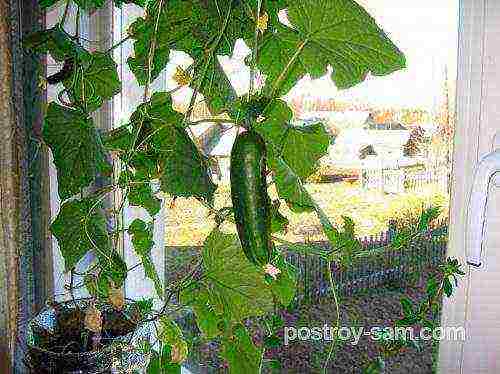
(188, 222)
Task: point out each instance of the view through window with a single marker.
(389, 157)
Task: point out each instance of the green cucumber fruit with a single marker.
(251, 203)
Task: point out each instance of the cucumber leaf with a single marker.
(161, 363)
(215, 86)
(163, 27)
(141, 194)
(284, 286)
(236, 285)
(233, 289)
(240, 352)
(183, 169)
(158, 109)
(79, 228)
(44, 4)
(206, 318)
(142, 240)
(76, 147)
(191, 27)
(119, 3)
(339, 33)
(170, 334)
(55, 41)
(289, 186)
(292, 190)
(279, 222)
(301, 147)
(90, 4)
(118, 140)
(94, 80)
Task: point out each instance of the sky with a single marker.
(426, 31)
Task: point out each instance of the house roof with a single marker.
(370, 124)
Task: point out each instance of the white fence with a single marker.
(402, 180)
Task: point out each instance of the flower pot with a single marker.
(59, 343)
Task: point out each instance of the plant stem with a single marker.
(214, 120)
(152, 50)
(118, 44)
(292, 60)
(65, 14)
(77, 26)
(337, 323)
(209, 57)
(255, 51)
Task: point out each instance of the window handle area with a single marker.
(476, 211)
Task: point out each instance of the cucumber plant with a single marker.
(237, 277)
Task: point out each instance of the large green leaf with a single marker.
(206, 318)
(289, 186)
(293, 153)
(140, 192)
(119, 139)
(165, 26)
(292, 190)
(44, 4)
(234, 288)
(215, 86)
(55, 41)
(90, 4)
(192, 27)
(113, 269)
(184, 171)
(142, 240)
(240, 352)
(346, 243)
(284, 286)
(279, 222)
(236, 284)
(339, 33)
(161, 364)
(94, 80)
(80, 227)
(141, 3)
(76, 147)
(157, 109)
(300, 147)
(169, 333)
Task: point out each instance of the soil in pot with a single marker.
(67, 346)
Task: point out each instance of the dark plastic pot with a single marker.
(118, 354)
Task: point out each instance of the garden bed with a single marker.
(377, 307)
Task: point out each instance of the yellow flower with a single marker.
(262, 22)
(181, 77)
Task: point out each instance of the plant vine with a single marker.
(223, 288)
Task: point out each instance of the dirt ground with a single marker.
(377, 307)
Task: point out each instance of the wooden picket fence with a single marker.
(384, 266)
(398, 180)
